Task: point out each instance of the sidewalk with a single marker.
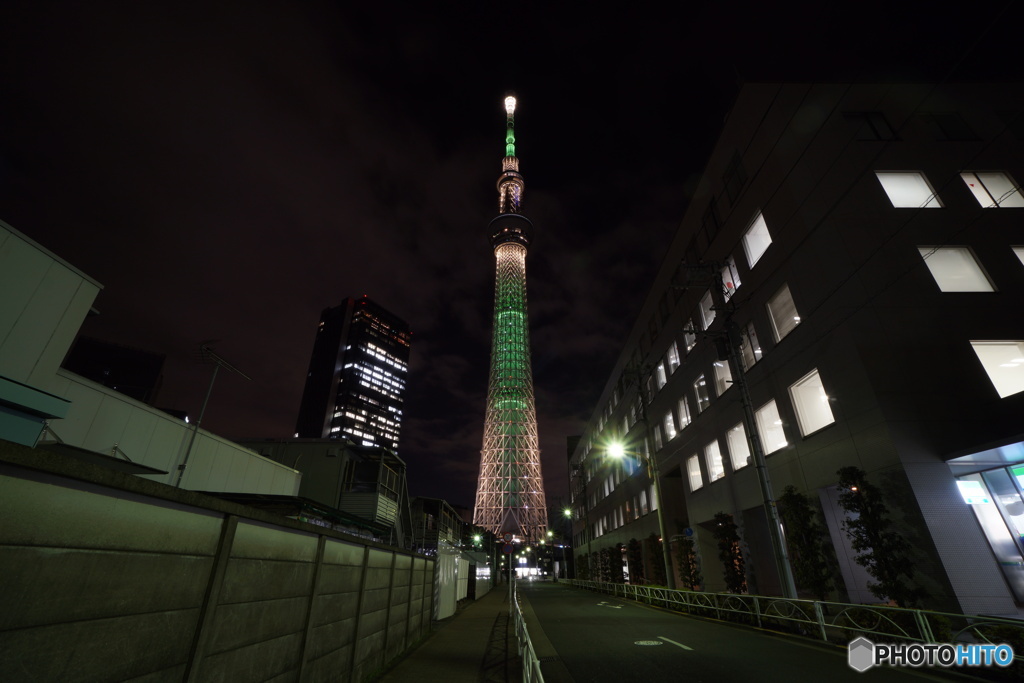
(477, 644)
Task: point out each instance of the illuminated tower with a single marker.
(510, 493)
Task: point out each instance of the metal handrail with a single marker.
(531, 664)
(835, 622)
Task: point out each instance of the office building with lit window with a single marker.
(856, 253)
(357, 375)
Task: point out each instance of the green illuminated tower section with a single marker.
(510, 492)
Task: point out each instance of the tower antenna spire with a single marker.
(510, 491)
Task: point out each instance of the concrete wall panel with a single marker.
(243, 624)
(107, 584)
(246, 580)
(261, 541)
(257, 662)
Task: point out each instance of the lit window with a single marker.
(723, 377)
(994, 190)
(751, 350)
(703, 400)
(1019, 251)
(739, 449)
(782, 312)
(689, 336)
(660, 374)
(693, 473)
(908, 190)
(1004, 363)
(657, 438)
(670, 426)
(684, 413)
(769, 428)
(707, 309)
(713, 458)
(672, 358)
(756, 239)
(811, 402)
(955, 269)
(730, 278)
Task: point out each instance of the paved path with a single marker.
(583, 636)
(476, 644)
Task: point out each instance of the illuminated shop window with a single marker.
(955, 269)
(908, 190)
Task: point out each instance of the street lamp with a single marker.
(617, 450)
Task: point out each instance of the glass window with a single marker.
(769, 428)
(703, 399)
(713, 458)
(670, 426)
(739, 447)
(811, 402)
(684, 413)
(751, 350)
(723, 377)
(707, 309)
(756, 239)
(994, 190)
(657, 438)
(908, 190)
(659, 373)
(693, 473)
(730, 278)
(782, 312)
(1019, 251)
(689, 336)
(672, 358)
(1004, 363)
(955, 269)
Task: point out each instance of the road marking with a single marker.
(605, 604)
(667, 640)
(648, 642)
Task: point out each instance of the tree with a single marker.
(655, 560)
(727, 535)
(882, 551)
(806, 539)
(689, 568)
(635, 560)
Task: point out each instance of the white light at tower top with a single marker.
(510, 105)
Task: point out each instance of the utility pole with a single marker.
(206, 354)
(729, 346)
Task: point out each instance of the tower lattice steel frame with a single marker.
(510, 491)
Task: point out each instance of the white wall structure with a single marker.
(43, 302)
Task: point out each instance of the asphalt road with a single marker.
(582, 636)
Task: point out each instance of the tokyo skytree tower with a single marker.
(510, 492)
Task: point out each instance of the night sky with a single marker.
(228, 169)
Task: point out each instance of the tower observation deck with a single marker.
(510, 491)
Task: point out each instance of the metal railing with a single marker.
(833, 622)
(531, 664)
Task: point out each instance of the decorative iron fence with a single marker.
(531, 664)
(834, 622)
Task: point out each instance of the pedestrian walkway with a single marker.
(477, 644)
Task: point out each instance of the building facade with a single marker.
(859, 250)
(510, 489)
(357, 376)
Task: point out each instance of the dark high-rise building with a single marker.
(356, 376)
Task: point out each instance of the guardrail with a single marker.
(833, 622)
(531, 664)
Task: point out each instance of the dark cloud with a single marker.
(227, 170)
